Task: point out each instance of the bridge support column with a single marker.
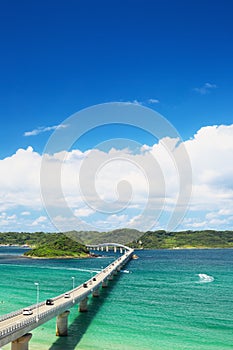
(115, 272)
(110, 277)
(115, 249)
(83, 305)
(21, 343)
(62, 324)
(119, 268)
(96, 292)
(106, 248)
(121, 250)
(105, 284)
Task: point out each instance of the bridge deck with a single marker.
(14, 325)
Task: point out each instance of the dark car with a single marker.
(94, 279)
(49, 302)
(85, 285)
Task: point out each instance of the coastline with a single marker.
(181, 248)
(15, 245)
(96, 255)
(60, 257)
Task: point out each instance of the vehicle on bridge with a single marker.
(17, 325)
(27, 312)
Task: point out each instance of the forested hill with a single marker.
(151, 239)
(58, 246)
(121, 236)
(185, 239)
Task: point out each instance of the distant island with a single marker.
(72, 244)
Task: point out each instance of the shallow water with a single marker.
(170, 299)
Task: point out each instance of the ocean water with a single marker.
(165, 300)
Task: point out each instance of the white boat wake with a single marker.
(204, 278)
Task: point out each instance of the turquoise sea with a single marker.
(165, 300)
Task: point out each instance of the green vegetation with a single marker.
(49, 245)
(58, 245)
(122, 236)
(185, 239)
(22, 238)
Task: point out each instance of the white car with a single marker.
(66, 295)
(27, 312)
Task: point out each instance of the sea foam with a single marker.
(204, 278)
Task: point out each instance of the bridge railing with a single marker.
(108, 270)
(18, 312)
(34, 306)
(56, 310)
(19, 325)
(33, 319)
(12, 314)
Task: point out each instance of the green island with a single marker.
(72, 244)
(58, 246)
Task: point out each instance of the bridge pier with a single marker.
(21, 343)
(13, 328)
(62, 324)
(83, 305)
(96, 292)
(104, 284)
(110, 277)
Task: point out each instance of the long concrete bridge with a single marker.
(16, 327)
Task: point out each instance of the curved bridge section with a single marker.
(15, 327)
(108, 246)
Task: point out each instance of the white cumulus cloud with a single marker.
(113, 188)
(39, 221)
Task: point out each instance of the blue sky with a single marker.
(59, 57)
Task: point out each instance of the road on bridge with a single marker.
(17, 323)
